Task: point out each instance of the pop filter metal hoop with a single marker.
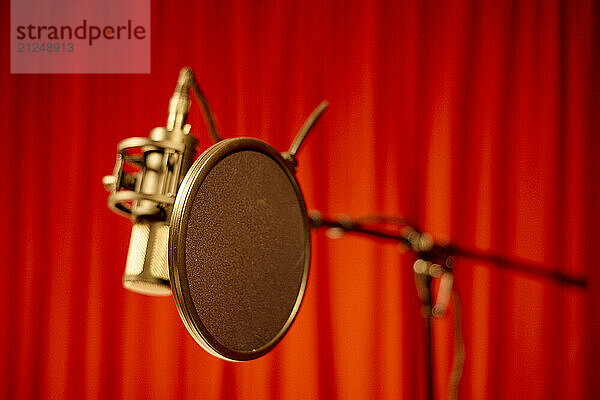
(180, 270)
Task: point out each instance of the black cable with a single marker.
(459, 348)
(206, 113)
(384, 219)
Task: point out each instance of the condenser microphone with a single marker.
(143, 186)
(229, 238)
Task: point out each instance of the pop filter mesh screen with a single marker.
(245, 250)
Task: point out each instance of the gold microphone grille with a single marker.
(146, 270)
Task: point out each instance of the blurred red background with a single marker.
(477, 119)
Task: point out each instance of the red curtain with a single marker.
(477, 119)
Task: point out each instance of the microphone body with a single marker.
(143, 187)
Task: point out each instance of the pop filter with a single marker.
(239, 249)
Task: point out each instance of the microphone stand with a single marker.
(436, 260)
(423, 283)
(424, 247)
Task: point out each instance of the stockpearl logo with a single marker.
(100, 36)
